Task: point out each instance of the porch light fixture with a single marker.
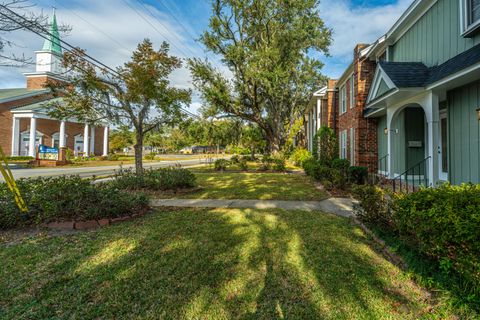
(385, 131)
(478, 114)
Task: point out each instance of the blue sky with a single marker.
(110, 30)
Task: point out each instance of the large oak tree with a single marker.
(271, 48)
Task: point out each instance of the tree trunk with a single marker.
(139, 154)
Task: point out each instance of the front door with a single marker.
(78, 146)
(443, 147)
(415, 140)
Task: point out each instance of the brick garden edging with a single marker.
(93, 224)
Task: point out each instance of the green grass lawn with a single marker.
(262, 186)
(208, 264)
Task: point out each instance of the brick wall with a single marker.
(45, 126)
(329, 114)
(365, 129)
(6, 119)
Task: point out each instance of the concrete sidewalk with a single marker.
(339, 206)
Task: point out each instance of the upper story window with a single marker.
(343, 99)
(470, 17)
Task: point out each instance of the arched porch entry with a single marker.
(408, 140)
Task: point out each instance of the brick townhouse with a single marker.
(24, 111)
(356, 134)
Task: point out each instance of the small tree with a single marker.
(325, 146)
(139, 95)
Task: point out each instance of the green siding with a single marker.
(398, 143)
(382, 141)
(434, 38)
(382, 89)
(464, 134)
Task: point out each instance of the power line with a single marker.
(31, 26)
(152, 25)
(96, 28)
(95, 62)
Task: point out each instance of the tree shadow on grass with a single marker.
(208, 264)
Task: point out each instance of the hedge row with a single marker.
(337, 175)
(66, 199)
(441, 223)
(155, 179)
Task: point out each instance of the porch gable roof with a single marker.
(410, 76)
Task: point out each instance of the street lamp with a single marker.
(478, 114)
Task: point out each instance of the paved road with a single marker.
(86, 172)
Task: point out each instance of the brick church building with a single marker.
(24, 119)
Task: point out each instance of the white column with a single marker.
(105, 141)
(86, 140)
(92, 140)
(16, 137)
(433, 119)
(62, 142)
(390, 144)
(33, 137)
(319, 114)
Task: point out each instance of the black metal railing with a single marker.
(413, 182)
(383, 161)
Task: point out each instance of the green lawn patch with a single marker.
(209, 264)
(261, 186)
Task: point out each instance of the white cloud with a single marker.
(109, 30)
(353, 25)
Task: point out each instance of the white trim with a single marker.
(343, 99)
(352, 146)
(454, 76)
(380, 75)
(466, 29)
(352, 91)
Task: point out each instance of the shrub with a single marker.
(373, 207)
(322, 173)
(150, 156)
(300, 155)
(266, 162)
(341, 164)
(338, 178)
(113, 157)
(249, 158)
(310, 166)
(155, 179)
(279, 165)
(358, 175)
(444, 223)
(65, 198)
(242, 164)
(221, 164)
(235, 159)
(325, 146)
(20, 158)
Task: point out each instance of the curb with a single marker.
(93, 224)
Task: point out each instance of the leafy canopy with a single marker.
(268, 46)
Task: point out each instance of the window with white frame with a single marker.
(352, 146)
(352, 91)
(343, 144)
(470, 16)
(343, 99)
